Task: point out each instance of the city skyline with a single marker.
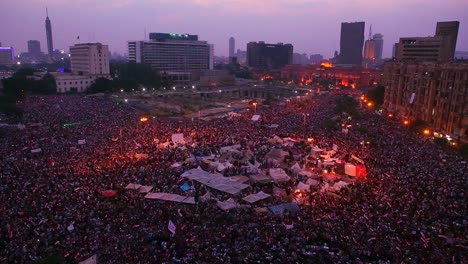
(312, 26)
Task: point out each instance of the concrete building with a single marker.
(373, 47)
(211, 57)
(263, 56)
(449, 32)
(50, 43)
(171, 52)
(315, 58)
(67, 82)
(432, 92)
(439, 48)
(90, 59)
(351, 42)
(34, 47)
(232, 46)
(6, 55)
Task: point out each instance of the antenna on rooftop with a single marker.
(47, 12)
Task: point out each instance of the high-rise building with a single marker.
(261, 55)
(316, 58)
(50, 44)
(171, 52)
(373, 47)
(378, 38)
(211, 60)
(435, 93)
(6, 55)
(34, 47)
(232, 46)
(351, 42)
(440, 48)
(449, 32)
(90, 59)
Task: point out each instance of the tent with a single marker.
(145, 189)
(277, 154)
(303, 187)
(141, 156)
(256, 197)
(275, 139)
(109, 193)
(279, 209)
(296, 168)
(133, 186)
(214, 181)
(355, 170)
(279, 175)
(227, 205)
(36, 150)
(279, 192)
(233, 148)
(255, 117)
(171, 197)
(178, 138)
(312, 182)
(261, 178)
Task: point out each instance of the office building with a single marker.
(90, 59)
(232, 46)
(171, 52)
(439, 48)
(315, 58)
(449, 32)
(34, 47)
(6, 55)
(263, 56)
(50, 43)
(436, 93)
(211, 56)
(351, 43)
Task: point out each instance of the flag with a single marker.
(171, 227)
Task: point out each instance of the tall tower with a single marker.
(449, 32)
(50, 44)
(232, 45)
(351, 42)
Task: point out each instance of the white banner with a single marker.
(81, 141)
(171, 227)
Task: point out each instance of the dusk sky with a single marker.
(312, 26)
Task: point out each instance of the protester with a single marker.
(410, 208)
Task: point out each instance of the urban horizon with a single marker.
(67, 35)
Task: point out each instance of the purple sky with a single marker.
(312, 26)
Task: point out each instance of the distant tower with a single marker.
(232, 46)
(351, 42)
(50, 44)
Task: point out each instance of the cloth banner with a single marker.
(185, 187)
(91, 260)
(178, 138)
(171, 227)
(350, 169)
(36, 150)
(81, 142)
(255, 117)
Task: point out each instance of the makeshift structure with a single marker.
(214, 181)
(256, 197)
(171, 197)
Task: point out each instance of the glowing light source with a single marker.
(143, 119)
(370, 104)
(426, 132)
(390, 115)
(406, 122)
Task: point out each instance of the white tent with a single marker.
(178, 138)
(335, 187)
(303, 187)
(256, 197)
(296, 168)
(133, 186)
(312, 182)
(255, 117)
(277, 154)
(176, 165)
(279, 192)
(279, 175)
(217, 182)
(36, 150)
(228, 204)
(170, 197)
(233, 148)
(241, 179)
(145, 189)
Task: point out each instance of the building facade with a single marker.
(439, 48)
(34, 47)
(434, 93)
(232, 46)
(263, 56)
(351, 43)
(90, 59)
(171, 52)
(6, 55)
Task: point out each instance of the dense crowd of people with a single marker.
(411, 208)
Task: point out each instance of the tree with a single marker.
(442, 141)
(464, 150)
(376, 95)
(102, 85)
(346, 104)
(130, 75)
